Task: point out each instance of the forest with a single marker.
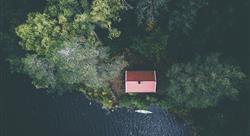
(199, 49)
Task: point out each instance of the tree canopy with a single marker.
(148, 11)
(152, 46)
(73, 63)
(63, 20)
(63, 48)
(203, 82)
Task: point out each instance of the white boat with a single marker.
(143, 111)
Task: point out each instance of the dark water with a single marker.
(72, 114)
(25, 111)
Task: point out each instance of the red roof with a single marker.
(141, 76)
(140, 81)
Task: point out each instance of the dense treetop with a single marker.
(63, 49)
(203, 82)
(67, 19)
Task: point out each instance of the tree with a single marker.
(40, 70)
(65, 19)
(148, 10)
(63, 49)
(183, 15)
(203, 82)
(73, 64)
(152, 46)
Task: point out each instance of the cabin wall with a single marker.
(144, 86)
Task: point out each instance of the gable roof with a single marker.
(140, 76)
(140, 82)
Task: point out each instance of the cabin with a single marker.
(140, 81)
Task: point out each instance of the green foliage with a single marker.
(148, 10)
(63, 51)
(152, 46)
(103, 96)
(66, 8)
(104, 12)
(40, 70)
(76, 63)
(138, 101)
(203, 82)
(133, 102)
(38, 34)
(183, 15)
(65, 19)
(73, 63)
